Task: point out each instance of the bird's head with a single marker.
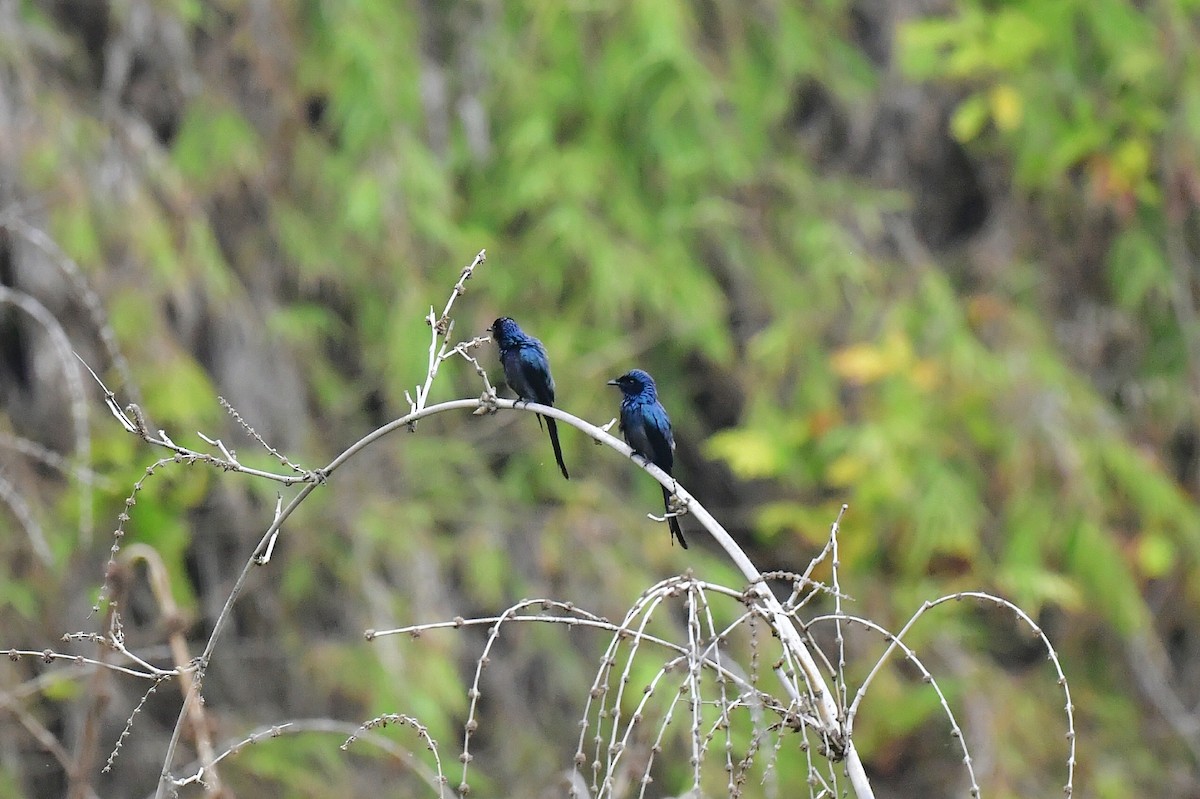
(504, 330)
(635, 383)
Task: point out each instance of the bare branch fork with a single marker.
(441, 327)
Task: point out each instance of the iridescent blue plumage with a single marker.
(527, 372)
(647, 430)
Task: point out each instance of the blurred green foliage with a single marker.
(636, 172)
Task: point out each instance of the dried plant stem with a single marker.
(814, 686)
(441, 328)
(161, 588)
(78, 398)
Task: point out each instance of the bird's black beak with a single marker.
(613, 382)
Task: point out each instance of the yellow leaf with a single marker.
(845, 470)
(862, 363)
(866, 363)
(1007, 107)
(749, 453)
(1155, 554)
(925, 375)
(1131, 161)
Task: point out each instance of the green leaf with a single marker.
(1137, 269)
(215, 143)
(969, 118)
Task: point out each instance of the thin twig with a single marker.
(62, 348)
(279, 456)
(926, 676)
(161, 589)
(83, 290)
(318, 725)
(895, 642)
(440, 328)
(12, 497)
(52, 459)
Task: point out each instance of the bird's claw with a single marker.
(676, 505)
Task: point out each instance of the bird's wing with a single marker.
(514, 375)
(661, 440)
(654, 436)
(637, 439)
(531, 375)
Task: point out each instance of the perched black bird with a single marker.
(527, 371)
(647, 430)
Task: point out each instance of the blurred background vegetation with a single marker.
(936, 260)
